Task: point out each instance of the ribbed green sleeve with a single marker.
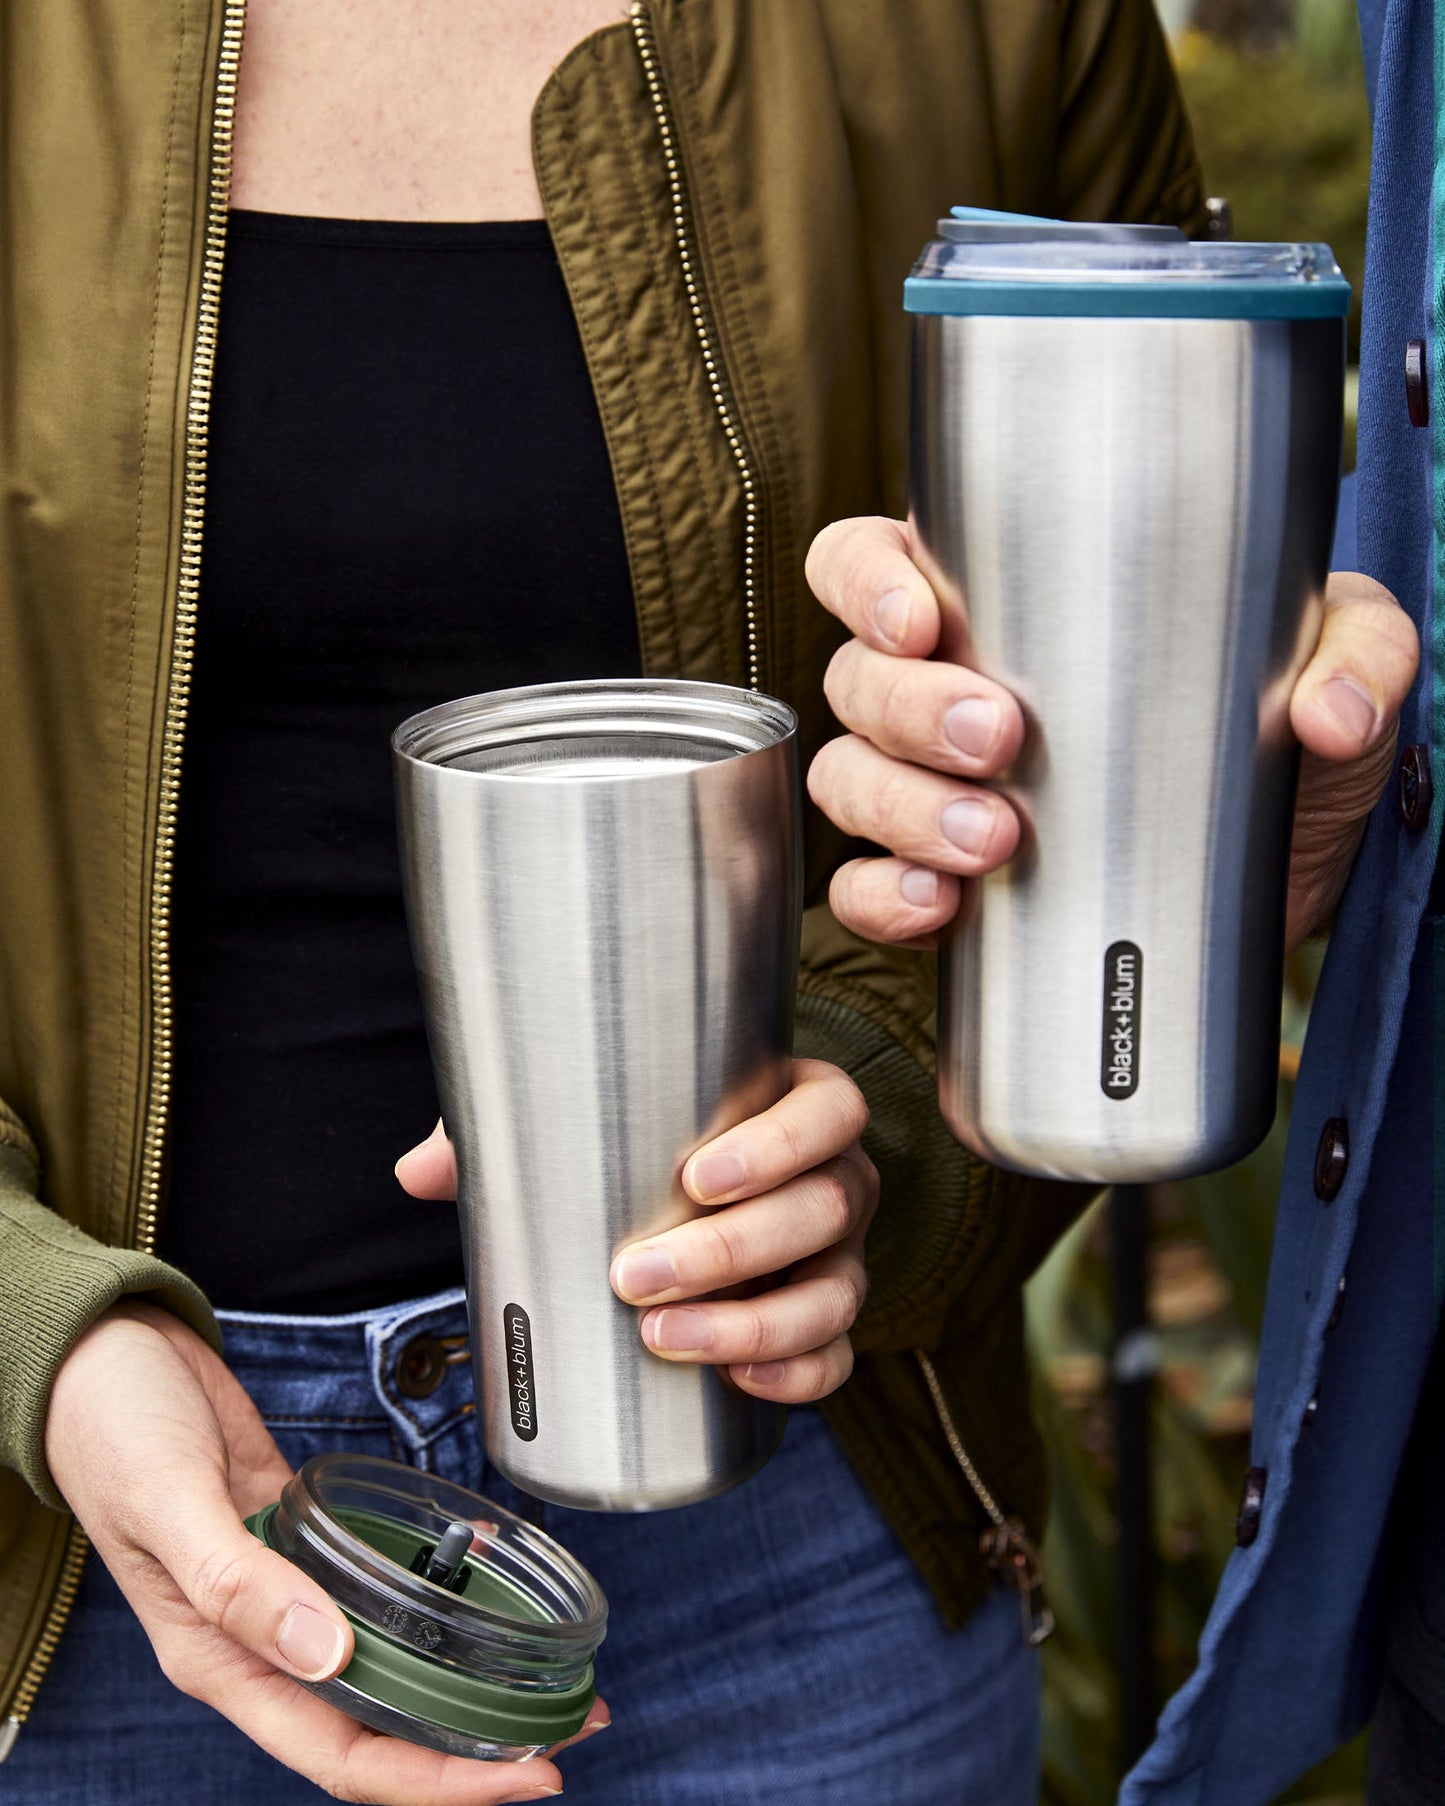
(936, 1202)
(54, 1282)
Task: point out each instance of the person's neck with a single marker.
(398, 109)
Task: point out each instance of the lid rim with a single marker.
(1244, 299)
(747, 721)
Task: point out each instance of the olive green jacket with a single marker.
(736, 189)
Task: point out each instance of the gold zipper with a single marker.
(712, 363)
(1005, 1545)
(198, 422)
(198, 414)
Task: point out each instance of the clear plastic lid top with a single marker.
(991, 263)
(511, 1603)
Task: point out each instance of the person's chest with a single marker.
(398, 109)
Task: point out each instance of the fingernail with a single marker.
(644, 1272)
(891, 615)
(765, 1373)
(968, 823)
(1350, 706)
(680, 1330)
(973, 724)
(538, 1792)
(919, 887)
(311, 1643)
(715, 1174)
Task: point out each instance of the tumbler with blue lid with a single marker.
(1124, 467)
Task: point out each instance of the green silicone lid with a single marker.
(493, 1659)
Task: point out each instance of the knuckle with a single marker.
(893, 799)
(837, 1302)
(838, 679)
(852, 1106)
(849, 1291)
(833, 1202)
(821, 554)
(217, 1587)
(861, 899)
(759, 1333)
(791, 1154)
(895, 708)
(872, 1188)
(182, 1673)
(723, 1248)
(826, 773)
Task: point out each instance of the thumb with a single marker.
(1352, 689)
(249, 1592)
(429, 1170)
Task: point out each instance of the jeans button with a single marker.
(421, 1367)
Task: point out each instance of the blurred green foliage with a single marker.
(1277, 100)
(1209, 1258)
(1284, 135)
(1283, 131)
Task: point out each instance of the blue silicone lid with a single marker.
(984, 262)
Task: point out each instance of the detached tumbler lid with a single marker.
(474, 1631)
(984, 262)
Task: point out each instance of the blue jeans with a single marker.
(772, 1645)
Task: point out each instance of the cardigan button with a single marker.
(1331, 1159)
(1312, 1411)
(1251, 1504)
(1337, 1310)
(1417, 387)
(1416, 788)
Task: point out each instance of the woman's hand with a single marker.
(927, 736)
(788, 1192)
(160, 1453)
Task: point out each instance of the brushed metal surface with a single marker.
(603, 892)
(1129, 524)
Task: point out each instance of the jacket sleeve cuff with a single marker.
(55, 1282)
(937, 1202)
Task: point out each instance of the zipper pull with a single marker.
(1007, 1550)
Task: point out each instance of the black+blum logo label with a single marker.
(517, 1340)
(1123, 991)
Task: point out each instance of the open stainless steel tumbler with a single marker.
(1125, 455)
(603, 891)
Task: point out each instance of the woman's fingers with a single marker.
(822, 1114)
(429, 1170)
(894, 900)
(754, 1238)
(347, 1759)
(800, 1381)
(816, 1305)
(863, 572)
(931, 713)
(923, 817)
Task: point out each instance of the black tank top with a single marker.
(408, 499)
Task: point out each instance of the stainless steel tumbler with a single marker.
(603, 892)
(1125, 457)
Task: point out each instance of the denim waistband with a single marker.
(403, 1366)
